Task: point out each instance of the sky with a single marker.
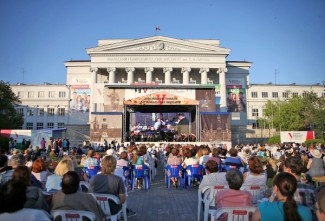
(284, 39)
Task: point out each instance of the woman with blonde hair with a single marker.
(53, 182)
(108, 183)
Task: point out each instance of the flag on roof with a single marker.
(157, 28)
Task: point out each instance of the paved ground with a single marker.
(160, 204)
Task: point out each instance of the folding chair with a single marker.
(73, 215)
(102, 200)
(206, 197)
(141, 172)
(234, 213)
(257, 191)
(193, 172)
(175, 171)
(84, 186)
(92, 171)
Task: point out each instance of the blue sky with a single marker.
(37, 36)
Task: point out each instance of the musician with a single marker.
(182, 120)
(159, 122)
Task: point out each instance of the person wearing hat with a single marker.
(315, 164)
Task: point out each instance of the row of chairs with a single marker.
(185, 176)
(206, 198)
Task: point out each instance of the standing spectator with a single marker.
(43, 144)
(69, 197)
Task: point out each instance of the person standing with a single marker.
(43, 144)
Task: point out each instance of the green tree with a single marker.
(299, 113)
(9, 117)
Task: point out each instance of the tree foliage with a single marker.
(297, 113)
(9, 117)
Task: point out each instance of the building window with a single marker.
(254, 94)
(61, 111)
(20, 110)
(60, 125)
(30, 112)
(104, 126)
(41, 112)
(39, 126)
(50, 125)
(275, 94)
(29, 126)
(255, 125)
(62, 94)
(51, 93)
(20, 94)
(294, 94)
(285, 94)
(41, 94)
(304, 94)
(50, 111)
(30, 94)
(265, 94)
(255, 112)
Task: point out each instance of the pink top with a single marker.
(233, 198)
(174, 160)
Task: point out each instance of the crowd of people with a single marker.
(45, 184)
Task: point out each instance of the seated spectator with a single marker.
(233, 161)
(70, 199)
(35, 197)
(215, 155)
(108, 183)
(286, 208)
(174, 159)
(205, 156)
(82, 175)
(213, 177)
(15, 161)
(271, 171)
(3, 165)
(91, 161)
(321, 205)
(123, 162)
(315, 164)
(53, 182)
(40, 171)
(190, 158)
(256, 175)
(12, 201)
(233, 197)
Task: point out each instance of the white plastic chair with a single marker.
(234, 213)
(207, 198)
(102, 200)
(73, 215)
(257, 191)
(84, 186)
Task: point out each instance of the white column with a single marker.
(130, 72)
(222, 82)
(186, 75)
(93, 82)
(111, 75)
(167, 72)
(148, 71)
(204, 75)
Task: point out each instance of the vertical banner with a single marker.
(207, 100)
(113, 99)
(236, 100)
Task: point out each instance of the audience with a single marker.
(233, 160)
(320, 205)
(256, 175)
(40, 171)
(90, 160)
(213, 177)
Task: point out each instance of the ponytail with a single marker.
(290, 209)
(287, 185)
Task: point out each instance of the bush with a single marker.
(314, 141)
(274, 140)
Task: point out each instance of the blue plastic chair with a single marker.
(175, 171)
(92, 171)
(141, 172)
(127, 175)
(193, 172)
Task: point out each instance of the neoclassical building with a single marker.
(128, 76)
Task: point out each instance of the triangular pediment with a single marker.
(157, 44)
(161, 98)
